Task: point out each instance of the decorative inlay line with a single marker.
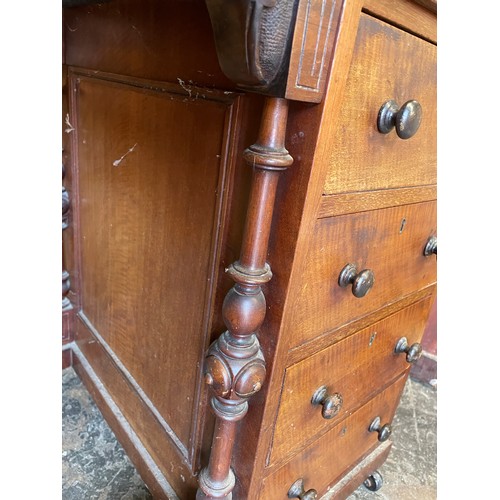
(310, 69)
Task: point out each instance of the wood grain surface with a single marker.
(149, 219)
(387, 64)
(356, 367)
(325, 461)
(157, 40)
(415, 16)
(390, 242)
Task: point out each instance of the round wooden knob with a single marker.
(413, 351)
(431, 247)
(297, 491)
(374, 482)
(331, 403)
(406, 119)
(383, 431)
(361, 282)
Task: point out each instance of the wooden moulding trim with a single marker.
(137, 388)
(316, 29)
(68, 325)
(147, 429)
(405, 14)
(225, 185)
(186, 90)
(67, 356)
(325, 339)
(347, 203)
(156, 481)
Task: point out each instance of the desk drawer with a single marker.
(387, 64)
(322, 463)
(351, 371)
(389, 242)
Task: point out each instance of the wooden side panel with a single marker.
(390, 242)
(355, 368)
(387, 64)
(154, 39)
(152, 163)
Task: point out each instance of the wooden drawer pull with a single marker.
(361, 282)
(431, 247)
(297, 491)
(406, 119)
(374, 482)
(383, 431)
(331, 403)
(413, 351)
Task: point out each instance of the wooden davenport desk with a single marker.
(250, 249)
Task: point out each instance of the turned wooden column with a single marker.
(279, 49)
(235, 367)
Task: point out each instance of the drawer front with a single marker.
(325, 461)
(387, 64)
(390, 242)
(354, 368)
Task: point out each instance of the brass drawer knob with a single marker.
(413, 351)
(431, 247)
(406, 119)
(383, 431)
(361, 282)
(331, 403)
(297, 491)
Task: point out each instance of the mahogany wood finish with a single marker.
(316, 27)
(327, 459)
(348, 203)
(414, 16)
(143, 192)
(354, 367)
(235, 367)
(388, 241)
(387, 64)
(175, 228)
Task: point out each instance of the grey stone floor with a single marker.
(95, 466)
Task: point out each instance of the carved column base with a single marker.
(208, 488)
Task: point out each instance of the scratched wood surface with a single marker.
(149, 214)
(387, 64)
